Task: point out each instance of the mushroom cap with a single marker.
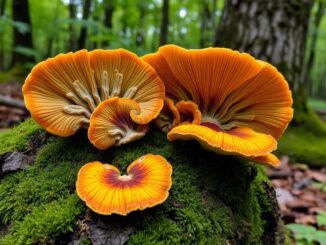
(229, 87)
(111, 123)
(62, 92)
(237, 141)
(106, 191)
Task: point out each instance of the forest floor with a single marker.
(300, 190)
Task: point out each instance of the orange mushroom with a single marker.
(111, 124)
(62, 92)
(106, 191)
(245, 104)
(169, 117)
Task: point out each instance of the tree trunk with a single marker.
(164, 23)
(83, 32)
(214, 18)
(108, 14)
(72, 29)
(21, 14)
(274, 31)
(205, 19)
(54, 33)
(2, 51)
(312, 47)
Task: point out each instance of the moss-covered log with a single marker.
(213, 200)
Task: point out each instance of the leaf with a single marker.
(320, 236)
(297, 228)
(321, 218)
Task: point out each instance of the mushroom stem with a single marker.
(105, 88)
(83, 94)
(94, 88)
(116, 133)
(117, 84)
(72, 96)
(129, 135)
(80, 123)
(76, 110)
(130, 92)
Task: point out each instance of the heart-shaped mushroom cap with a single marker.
(106, 191)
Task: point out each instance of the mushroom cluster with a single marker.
(227, 101)
(73, 90)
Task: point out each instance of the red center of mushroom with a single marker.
(135, 177)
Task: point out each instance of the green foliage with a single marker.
(303, 146)
(306, 235)
(45, 222)
(17, 138)
(321, 219)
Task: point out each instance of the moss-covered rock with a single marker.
(213, 200)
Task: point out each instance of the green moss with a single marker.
(17, 138)
(45, 222)
(214, 199)
(303, 147)
(309, 121)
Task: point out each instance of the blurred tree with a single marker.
(274, 31)
(206, 17)
(2, 50)
(108, 17)
(72, 31)
(83, 32)
(22, 39)
(316, 20)
(164, 23)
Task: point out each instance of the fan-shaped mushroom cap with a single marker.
(111, 123)
(234, 93)
(269, 159)
(62, 92)
(106, 191)
(243, 141)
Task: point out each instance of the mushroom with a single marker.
(169, 117)
(111, 124)
(245, 104)
(62, 92)
(106, 191)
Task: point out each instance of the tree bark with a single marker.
(164, 23)
(21, 14)
(274, 31)
(312, 47)
(83, 32)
